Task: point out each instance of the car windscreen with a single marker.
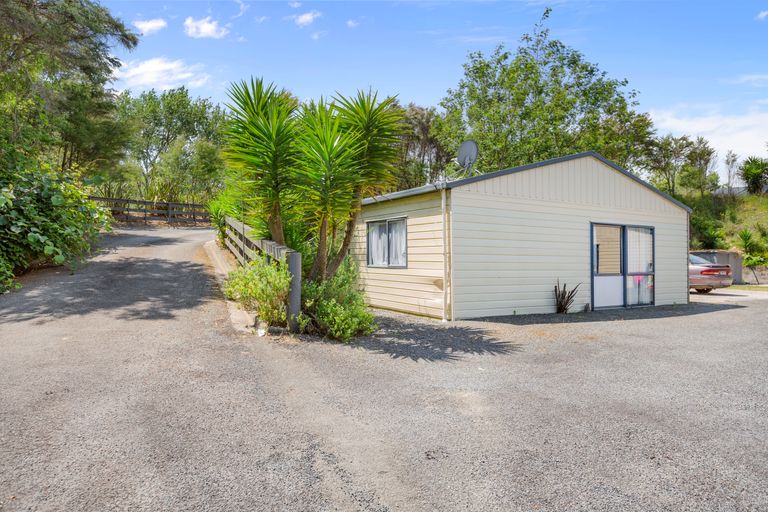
(698, 260)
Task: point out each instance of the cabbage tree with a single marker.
(328, 177)
(378, 126)
(262, 148)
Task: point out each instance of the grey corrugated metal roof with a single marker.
(457, 183)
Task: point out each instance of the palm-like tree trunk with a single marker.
(349, 233)
(318, 271)
(276, 224)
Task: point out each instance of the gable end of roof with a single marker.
(482, 177)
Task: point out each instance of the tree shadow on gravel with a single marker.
(419, 341)
(133, 288)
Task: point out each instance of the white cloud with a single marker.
(204, 27)
(294, 5)
(261, 19)
(756, 80)
(241, 39)
(150, 26)
(353, 23)
(306, 19)
(762, 16)
(160, 73)
(243, 7)
(317, 35)
(743, 133)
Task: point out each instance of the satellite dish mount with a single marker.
(467, 155)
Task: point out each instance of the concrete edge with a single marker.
(241, 320)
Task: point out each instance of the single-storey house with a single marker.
(497, 243)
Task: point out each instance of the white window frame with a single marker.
(368, 242)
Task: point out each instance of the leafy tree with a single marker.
(423, 158)
(159, 121)
(731, 168)
(754, 172)
(60, 36)
(93, 139)
(188, 171)
(665, 160)
(698, 173)
(542, 101)
(55, 59)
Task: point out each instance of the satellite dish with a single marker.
(467, 154)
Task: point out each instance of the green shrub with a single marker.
(335, 308)
(706, 233)
(762, 231)
(225, 204)
(44, 217)
(749, 243)
(261, 286)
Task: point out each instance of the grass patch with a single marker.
(750, 287)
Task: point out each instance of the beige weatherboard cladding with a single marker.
(511, 234)
(418, 288)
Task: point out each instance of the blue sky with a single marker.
(701, 67)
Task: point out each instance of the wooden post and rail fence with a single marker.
(139, 210)
(245, 248)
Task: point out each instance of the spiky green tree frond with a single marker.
(329, 174)
(378, 126)
(262, 148)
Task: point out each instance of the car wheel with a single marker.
(703, 290)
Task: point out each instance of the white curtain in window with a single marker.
(639, 250)
(377, 243)
(397, 243)
(639, 290)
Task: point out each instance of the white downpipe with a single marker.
(445, 254)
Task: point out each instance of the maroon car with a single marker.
(704, 276)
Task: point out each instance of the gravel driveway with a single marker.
(124, 387)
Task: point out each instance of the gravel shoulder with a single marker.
(125, 387)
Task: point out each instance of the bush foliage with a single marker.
(262, 286)
(44, 217)
(335, 308)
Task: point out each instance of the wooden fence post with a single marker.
(294, 295)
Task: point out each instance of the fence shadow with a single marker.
(420, 341)
(132, 288)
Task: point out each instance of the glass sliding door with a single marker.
(622, 266)
(640, 266)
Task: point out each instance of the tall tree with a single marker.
(93, 138)
(47, 50)
(423, 158)
(262, 148)
(56, 57)
(731, 169)
(329, 177)
(60, 36)
(377, 124)
(665, 160)
(160, 120)
(698, 172)
(542, 101)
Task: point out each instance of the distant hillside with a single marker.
(717, 221)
